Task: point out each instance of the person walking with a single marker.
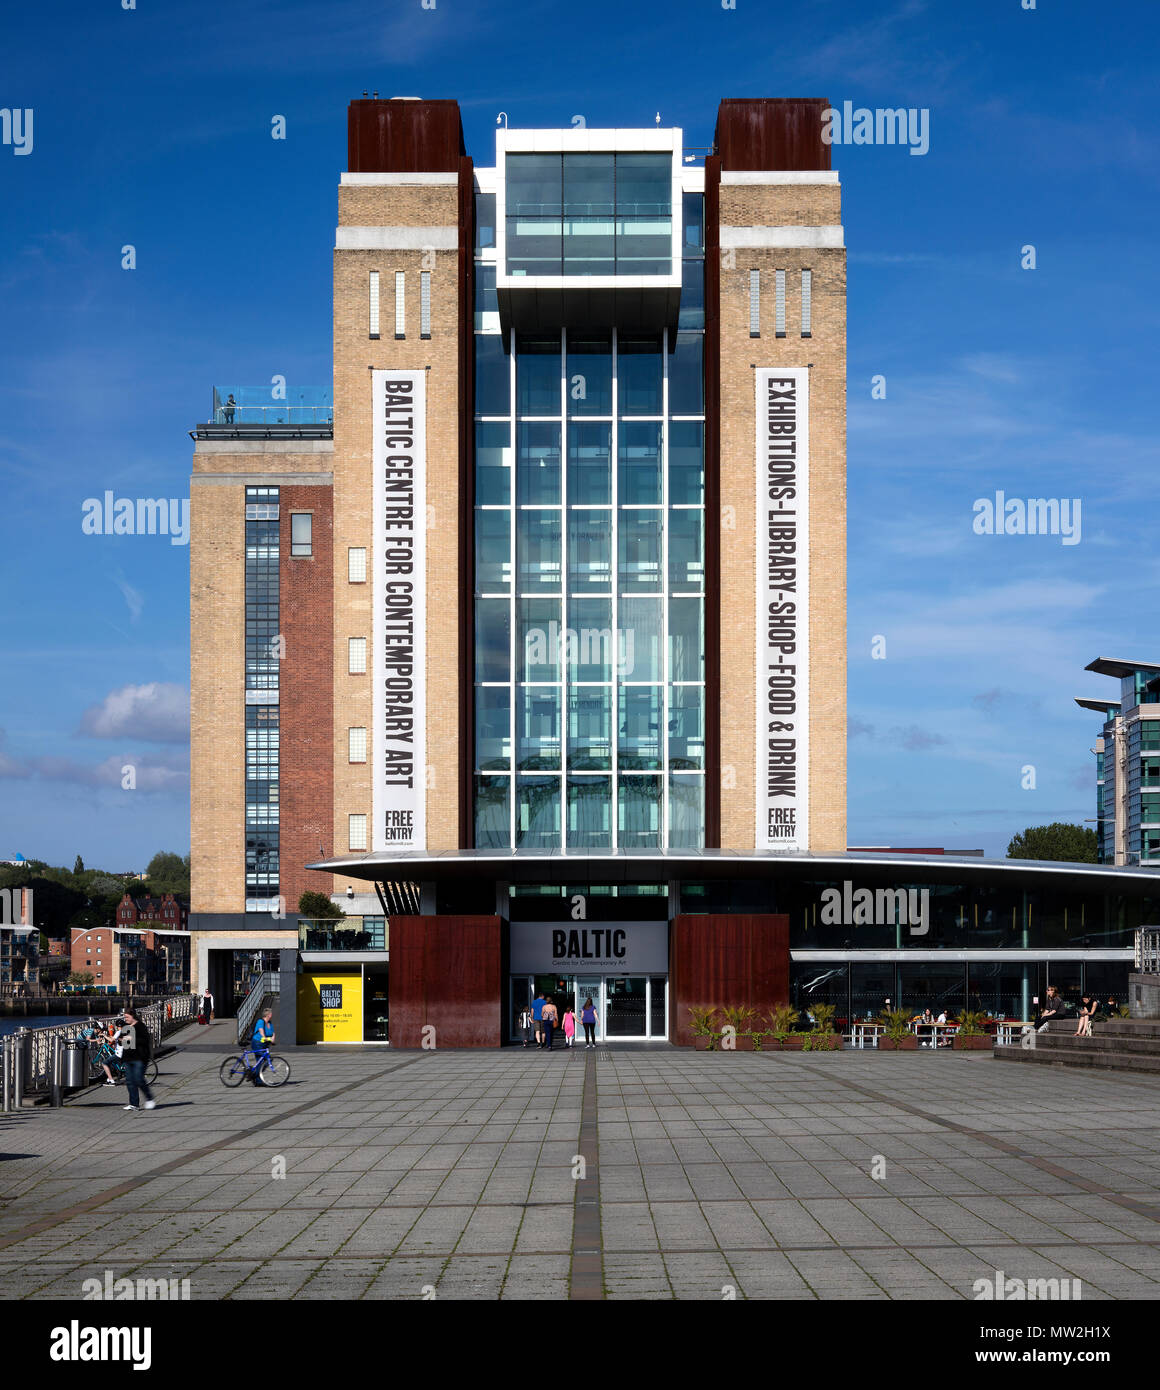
(138, 1051)
(538, 1019)
(550, 1016)
(569, 1026)
(206, 1014)
(525, 1024)
(588, 1019)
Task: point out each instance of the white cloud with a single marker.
(157, 712)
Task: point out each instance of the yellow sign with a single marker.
(330, 1008)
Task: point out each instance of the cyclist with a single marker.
(262, 1038)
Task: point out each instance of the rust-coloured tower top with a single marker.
(783, 133)
(403, 136)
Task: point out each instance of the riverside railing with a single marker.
(1148, 950)
(268, 983)
(31, 1055)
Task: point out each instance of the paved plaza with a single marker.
(616, 1173)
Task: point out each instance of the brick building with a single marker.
(526, 641)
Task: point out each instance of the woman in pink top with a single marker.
(569, 1026)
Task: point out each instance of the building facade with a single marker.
(526, 640)
(1127, 752)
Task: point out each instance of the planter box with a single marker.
(898, 1045)
(825, 1042)
(742, 1042)
(701, 1042)
(791, 1044)
(973, 1044)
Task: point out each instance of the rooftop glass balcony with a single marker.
(352, 933)
(305, 412)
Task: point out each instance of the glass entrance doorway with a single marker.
(628, 1007)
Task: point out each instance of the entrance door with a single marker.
(625, 1006)
(588, 987)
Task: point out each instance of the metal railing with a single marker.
(31, 1056)
(269, 983)
(312, 405)
(1148, 950)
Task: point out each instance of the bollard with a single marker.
(6, 1063)
(54, 1072)
(18, 1046)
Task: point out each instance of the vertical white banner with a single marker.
(783, 608)
(399, 751)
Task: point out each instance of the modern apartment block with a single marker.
(1128, 764)
(526, 640)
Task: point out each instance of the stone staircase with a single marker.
(1123, 1044)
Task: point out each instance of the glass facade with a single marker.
(261, 710)
(589, 566)
(588, 214)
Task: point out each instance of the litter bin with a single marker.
(74, 1064)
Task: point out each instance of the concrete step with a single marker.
(1098, 1042)
(1129, 1028)
(1093, 1061)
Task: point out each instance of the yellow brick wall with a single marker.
(354, 353)
(217, 622)
(780, 205)
(217, 685)
(826, 351)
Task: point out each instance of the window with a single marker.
(356, 564)
(755, 303)
(374, 315)
(400, 305)
(358, 832)
(88, 938)
(301, 533)
(358, 745)
(424, 304)
(779, 304)
(357, 654)
(807, 307)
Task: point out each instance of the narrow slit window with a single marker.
(357, 653)
(755, 303)
(358, 745)
(779, 307)
(358, 832)
(374, 313)
(807, 298)
(424, 304)
(356, 564)
(301, 533)
(400, 304)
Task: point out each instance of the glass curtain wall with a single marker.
(261, 718)
(589, 582)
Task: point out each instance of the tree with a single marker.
(168, 873)
(79, 865)
(1058, 841)
(312, 904)
(80, 977)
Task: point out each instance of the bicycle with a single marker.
(101, 1051)
(270, 1071)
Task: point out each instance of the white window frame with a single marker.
(374, 304)
(400, 304)
(424, 304)
(356, 570)
(807, 303)
(755, 303)
(779, 304)
(357, 744)
(356, 656)
(356, 831)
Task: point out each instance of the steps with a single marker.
(1123, 1044)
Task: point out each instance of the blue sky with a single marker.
(152, 128)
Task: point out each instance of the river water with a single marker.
(14, 1025)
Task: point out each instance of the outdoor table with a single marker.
(859, 1032)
